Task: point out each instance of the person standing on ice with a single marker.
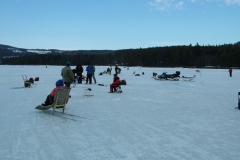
(90, 71)
(116, 69)
(93, 74)
(230, 72)
(67, 75)
(79, 69)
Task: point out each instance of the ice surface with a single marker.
(150, 120)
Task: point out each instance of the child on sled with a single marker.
(50, 98)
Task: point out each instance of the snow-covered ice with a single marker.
(150, 120)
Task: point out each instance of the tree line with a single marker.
(227, 55)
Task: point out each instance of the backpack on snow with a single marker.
(123, 82)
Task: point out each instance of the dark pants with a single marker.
(93, 76)
(113, 87)
(49, 100)
(89, 78)
(80, 77)
(230, 74)
(67, 84)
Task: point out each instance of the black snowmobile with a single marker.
(165, 76)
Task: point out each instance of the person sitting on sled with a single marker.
(109, 70)
(50, 98)
(116, 82)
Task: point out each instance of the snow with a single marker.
(149, 120)
(39, 51)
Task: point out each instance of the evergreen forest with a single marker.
(219, 56)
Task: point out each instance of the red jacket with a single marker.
(54, 90)
(116, 81)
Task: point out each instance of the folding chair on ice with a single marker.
(60, 99)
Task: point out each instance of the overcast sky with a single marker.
(117, 24)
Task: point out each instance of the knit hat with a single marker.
(59, 83)
(68, 63)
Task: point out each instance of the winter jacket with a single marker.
(67, 74)
(59, 84)
(79, 69)
(54, 90)
(116, 81)
(90, 69)
(116, 68)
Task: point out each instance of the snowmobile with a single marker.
(165, 76)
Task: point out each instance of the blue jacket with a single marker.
(90, 69)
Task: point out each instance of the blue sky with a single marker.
(117, 24)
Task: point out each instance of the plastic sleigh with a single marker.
(188, 78)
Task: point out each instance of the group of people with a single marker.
(68, 76)
(117, 70)
(90, 73)
(67, 79)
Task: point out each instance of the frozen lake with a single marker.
(150, 120)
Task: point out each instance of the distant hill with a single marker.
(10, 51)
(224, 56)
